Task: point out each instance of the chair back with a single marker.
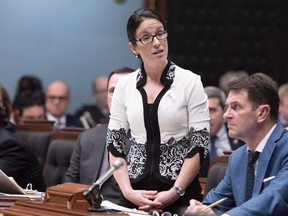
(58, 155)
(216, 172)
(37, 136)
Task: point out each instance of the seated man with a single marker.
(97, 113)
(90, 157)
(255, 182)
(29, 106)
(15, 159)
(283, 107)
(57, 102)
(220, 140)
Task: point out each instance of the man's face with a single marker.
(100, 92)
(216, 115)
(33, 113)
(57, 99)
(111, 87)
(283, 108)
(240, 116)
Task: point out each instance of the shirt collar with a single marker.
(50, 117)
(167, 76)
(263, 143)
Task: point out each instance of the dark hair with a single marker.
(7, 106)
(261, 88)
(122, 70)
(29, 83)
(215, 92)
(28, 99)
(137, 18)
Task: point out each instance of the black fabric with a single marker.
(152, 183)
(19, 162)
(212, 152)
(252, 158)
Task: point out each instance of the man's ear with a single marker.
(263, 112)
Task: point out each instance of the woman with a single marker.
(166, 109)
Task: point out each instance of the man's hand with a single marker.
(196, 209)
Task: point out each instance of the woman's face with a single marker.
(156, 51)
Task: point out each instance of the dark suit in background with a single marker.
(86, 161)
(234, 144)
(18, 162)
(72, 121)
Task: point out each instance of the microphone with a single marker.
(115, 166)
(89, 118)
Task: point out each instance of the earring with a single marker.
(136, 55)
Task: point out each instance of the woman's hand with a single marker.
(167, 197)
(145, 199)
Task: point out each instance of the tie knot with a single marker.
(253, 156)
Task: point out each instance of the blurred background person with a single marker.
(26, 83)
(5, 102)
(29, 106)
(229, 76)
(16, 159)
(219, 138)
(89, 160)
(96, 113)
(56, 104)
(283, 107)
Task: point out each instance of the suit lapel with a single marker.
(240, 172)
(99, 150)
(265, 157)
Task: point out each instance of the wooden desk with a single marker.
(60, 200)
(30, 208)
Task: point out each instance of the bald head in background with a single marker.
(57, 98)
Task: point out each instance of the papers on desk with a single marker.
(131, 212)
(9, 189)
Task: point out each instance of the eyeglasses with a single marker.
(149, 38)
(60, 98)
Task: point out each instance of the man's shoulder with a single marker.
(100, 129)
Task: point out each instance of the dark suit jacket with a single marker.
(269, 198)
(234, 143)
(18, 162)
(95, 112)
(86, 160)
(72, 121)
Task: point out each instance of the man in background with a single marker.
(219, 140)
(283, 107)
(16, 159)
(29, 105)
(57, 102)
(91, 115)
(89, 160)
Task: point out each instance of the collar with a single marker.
(221, 132)
(167, 76)
(263, 142)
(50, 117)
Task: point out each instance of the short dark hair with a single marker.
(29, 83)
(29, 99)
(137, 18)
(215, 92)
(122, 70)
(261, 88)
(5, 110)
